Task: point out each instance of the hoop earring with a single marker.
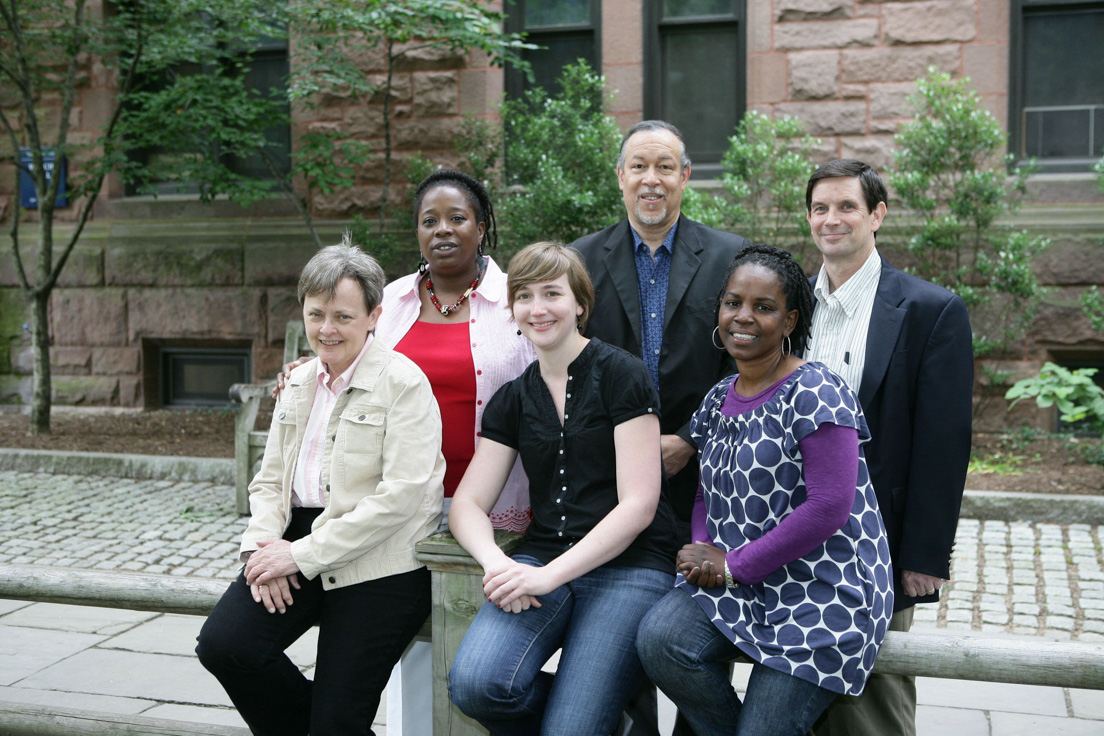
(423, 265)
(788, 349)
(715, 336)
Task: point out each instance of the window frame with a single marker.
(1017, 92)
(654, 78)
(516, 84)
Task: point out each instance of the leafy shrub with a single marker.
(948, 173)
(766, 168)
(1076, 395)
(560, 152)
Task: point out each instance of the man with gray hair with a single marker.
(656, 275)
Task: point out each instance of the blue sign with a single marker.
(27, 197)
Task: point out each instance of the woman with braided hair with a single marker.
(452, 319)
(788, 563)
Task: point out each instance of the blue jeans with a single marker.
(687, 657)
(496, 676)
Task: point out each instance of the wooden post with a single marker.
(457, 582)
(249, 395)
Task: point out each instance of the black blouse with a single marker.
(572, 468)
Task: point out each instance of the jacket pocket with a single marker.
(363, 431)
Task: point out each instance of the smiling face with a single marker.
(753, 318)
(547, 313)
(338, 328)
(652, 179)
(843, 225)
(448, 234)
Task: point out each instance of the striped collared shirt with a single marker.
(841, 321)
(306, 485)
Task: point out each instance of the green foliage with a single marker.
(767, 166)
(1092, 306)
(1076, 395)
(560, 150)
(1098, 167)
(948, 174)
(334, 38)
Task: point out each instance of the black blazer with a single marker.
(917, 394)
(689, 363)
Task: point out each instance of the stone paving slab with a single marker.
(24, 652)
(80, 701)
(1088, 704)
(194, 714)
(936, 721)
(85, 619)
(1016, 724)
(7, 606)
(132, 675)
(991, 696)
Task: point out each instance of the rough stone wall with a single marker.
(223, 283)
(847, 67)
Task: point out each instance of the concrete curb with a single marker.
(1059, 508)
(143, 467)
(989, 505)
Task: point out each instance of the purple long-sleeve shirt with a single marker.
(830, 459)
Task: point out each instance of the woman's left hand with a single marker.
(505, 585)
(701, 564)
(272, 560)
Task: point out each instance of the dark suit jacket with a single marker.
(689, 363)
(917, 394)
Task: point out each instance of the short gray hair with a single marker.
(328, 266)
(651, 125)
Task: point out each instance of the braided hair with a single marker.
(473, 191)
(795, 285)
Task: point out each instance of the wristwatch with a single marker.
(728, 576)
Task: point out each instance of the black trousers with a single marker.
(362, 631)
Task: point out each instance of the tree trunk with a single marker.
(40, 326)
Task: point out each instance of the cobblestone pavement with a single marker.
(149, 526)
(1026, 578)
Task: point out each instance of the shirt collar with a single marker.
(849, 294)
(668, 241)
(343, 380)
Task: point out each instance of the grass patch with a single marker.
(998, 463)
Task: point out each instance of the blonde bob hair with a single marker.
(547, 261)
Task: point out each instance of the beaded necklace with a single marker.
(446, 311)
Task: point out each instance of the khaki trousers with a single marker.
(887, 706)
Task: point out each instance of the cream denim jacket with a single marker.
(382, 472)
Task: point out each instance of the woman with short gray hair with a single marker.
(351, 479)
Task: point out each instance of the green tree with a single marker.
(47, 48)
(560, 152)
(333, 37)
(766, 168)
(949, 174)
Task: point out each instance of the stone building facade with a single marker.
(151, 277)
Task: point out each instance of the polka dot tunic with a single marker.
(823, 616)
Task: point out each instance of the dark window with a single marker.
(694, 73)
(200, 376)
(1057, 90)
(566, 29)
(265, 75)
